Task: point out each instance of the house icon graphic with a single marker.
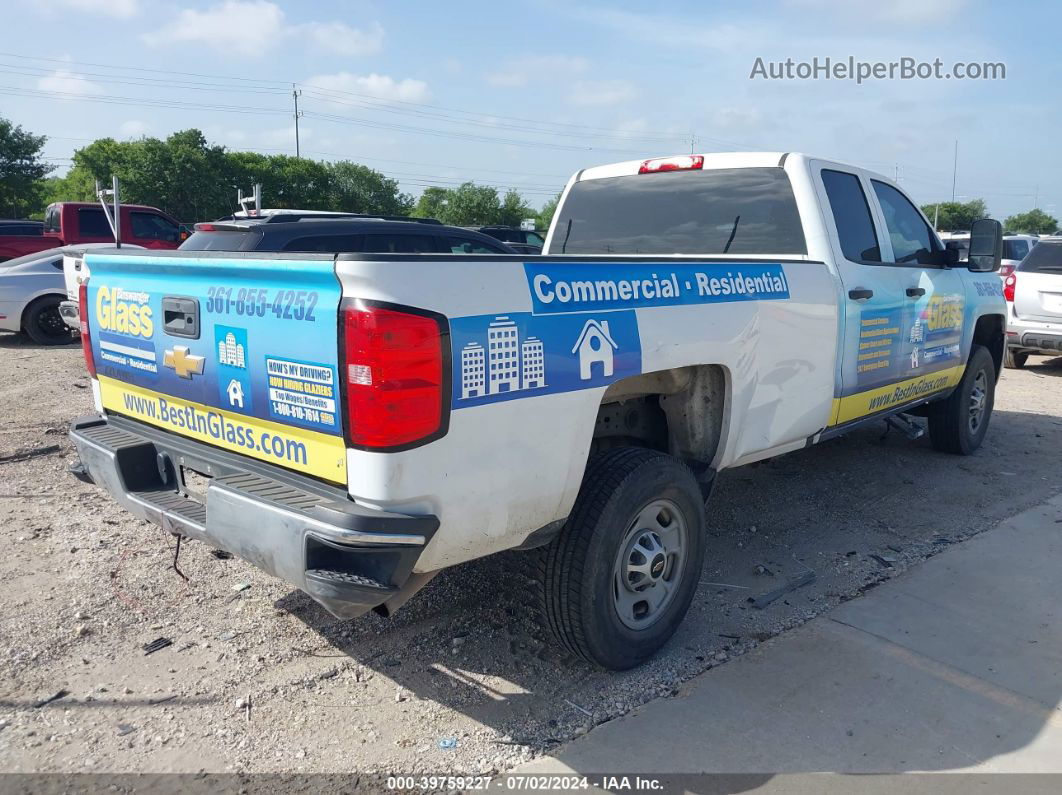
(595, 344)
(235, 393)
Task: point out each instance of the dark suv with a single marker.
(351, 234)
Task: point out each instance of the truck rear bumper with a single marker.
(347, 557)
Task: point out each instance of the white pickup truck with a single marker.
(355, 422)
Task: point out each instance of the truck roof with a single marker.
(711, 160)
(96, 205)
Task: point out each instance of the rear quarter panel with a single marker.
(512, 461)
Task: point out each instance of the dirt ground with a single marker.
(259, 679)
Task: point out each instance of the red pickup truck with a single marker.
(66, 223)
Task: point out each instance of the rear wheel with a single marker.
(1014, 361)
(619, 578)
(959, 424)
(43, 324)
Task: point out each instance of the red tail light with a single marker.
(86, 339)
(679, 163)
(1008, 287)
(1006, 270)
(397, 376)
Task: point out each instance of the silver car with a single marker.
(1034, 304)
(31, 288)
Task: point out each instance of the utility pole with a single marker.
(954, 169)
(295, 94)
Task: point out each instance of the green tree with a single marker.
(356, 188)
(471, 205)
(956, 216)
(513, 209)
(1034, 222)
(432, 203)
(545, 215)
(22, 170)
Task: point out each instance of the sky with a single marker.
(524, 93)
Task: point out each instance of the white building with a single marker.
(503, 356)
(533, 363)
(473, 374)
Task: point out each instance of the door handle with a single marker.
(180, 316)
(915, 292)
(860, 293)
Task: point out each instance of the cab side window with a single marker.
(330, 244)
(148, 226)
(851, 214)
(384, 243)
(912, 240)
(92, 223)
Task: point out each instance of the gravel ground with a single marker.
(260, 679)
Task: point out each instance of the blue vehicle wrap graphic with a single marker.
(521, 355)
(562, 287)
(244, 333)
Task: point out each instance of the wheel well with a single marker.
(678, 411)
(989, 333)
(29, 306)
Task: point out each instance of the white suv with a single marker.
(1015, 249)
(1034, 304)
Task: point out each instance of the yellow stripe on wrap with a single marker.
(862, 404)
(310, 452)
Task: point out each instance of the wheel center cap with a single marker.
(656, 568)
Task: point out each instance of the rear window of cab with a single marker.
(715, 211)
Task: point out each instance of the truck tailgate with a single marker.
(238, 353)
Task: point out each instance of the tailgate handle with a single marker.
(180, 316)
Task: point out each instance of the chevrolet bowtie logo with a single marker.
(185, 364)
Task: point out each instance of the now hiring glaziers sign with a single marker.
(579, 288)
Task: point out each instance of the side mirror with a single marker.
(986, 246)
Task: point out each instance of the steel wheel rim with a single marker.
(648, 567)
(978, 400)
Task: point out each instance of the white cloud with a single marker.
(343, 39)
(119, 9)
(283, 137)
(909, 11)
(236, 26)
(252, 27)
(67, 82)
(601, 92)
(134, 128)
(522, 71)
(374, 85)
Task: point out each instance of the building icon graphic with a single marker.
(505, 365)
(473, 374)
(503, 356)
(595, 345)
(230, 352)
(533, 364)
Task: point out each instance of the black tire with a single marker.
(581, 568)
(952, 428)
(43, 324)
(1014, 361)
